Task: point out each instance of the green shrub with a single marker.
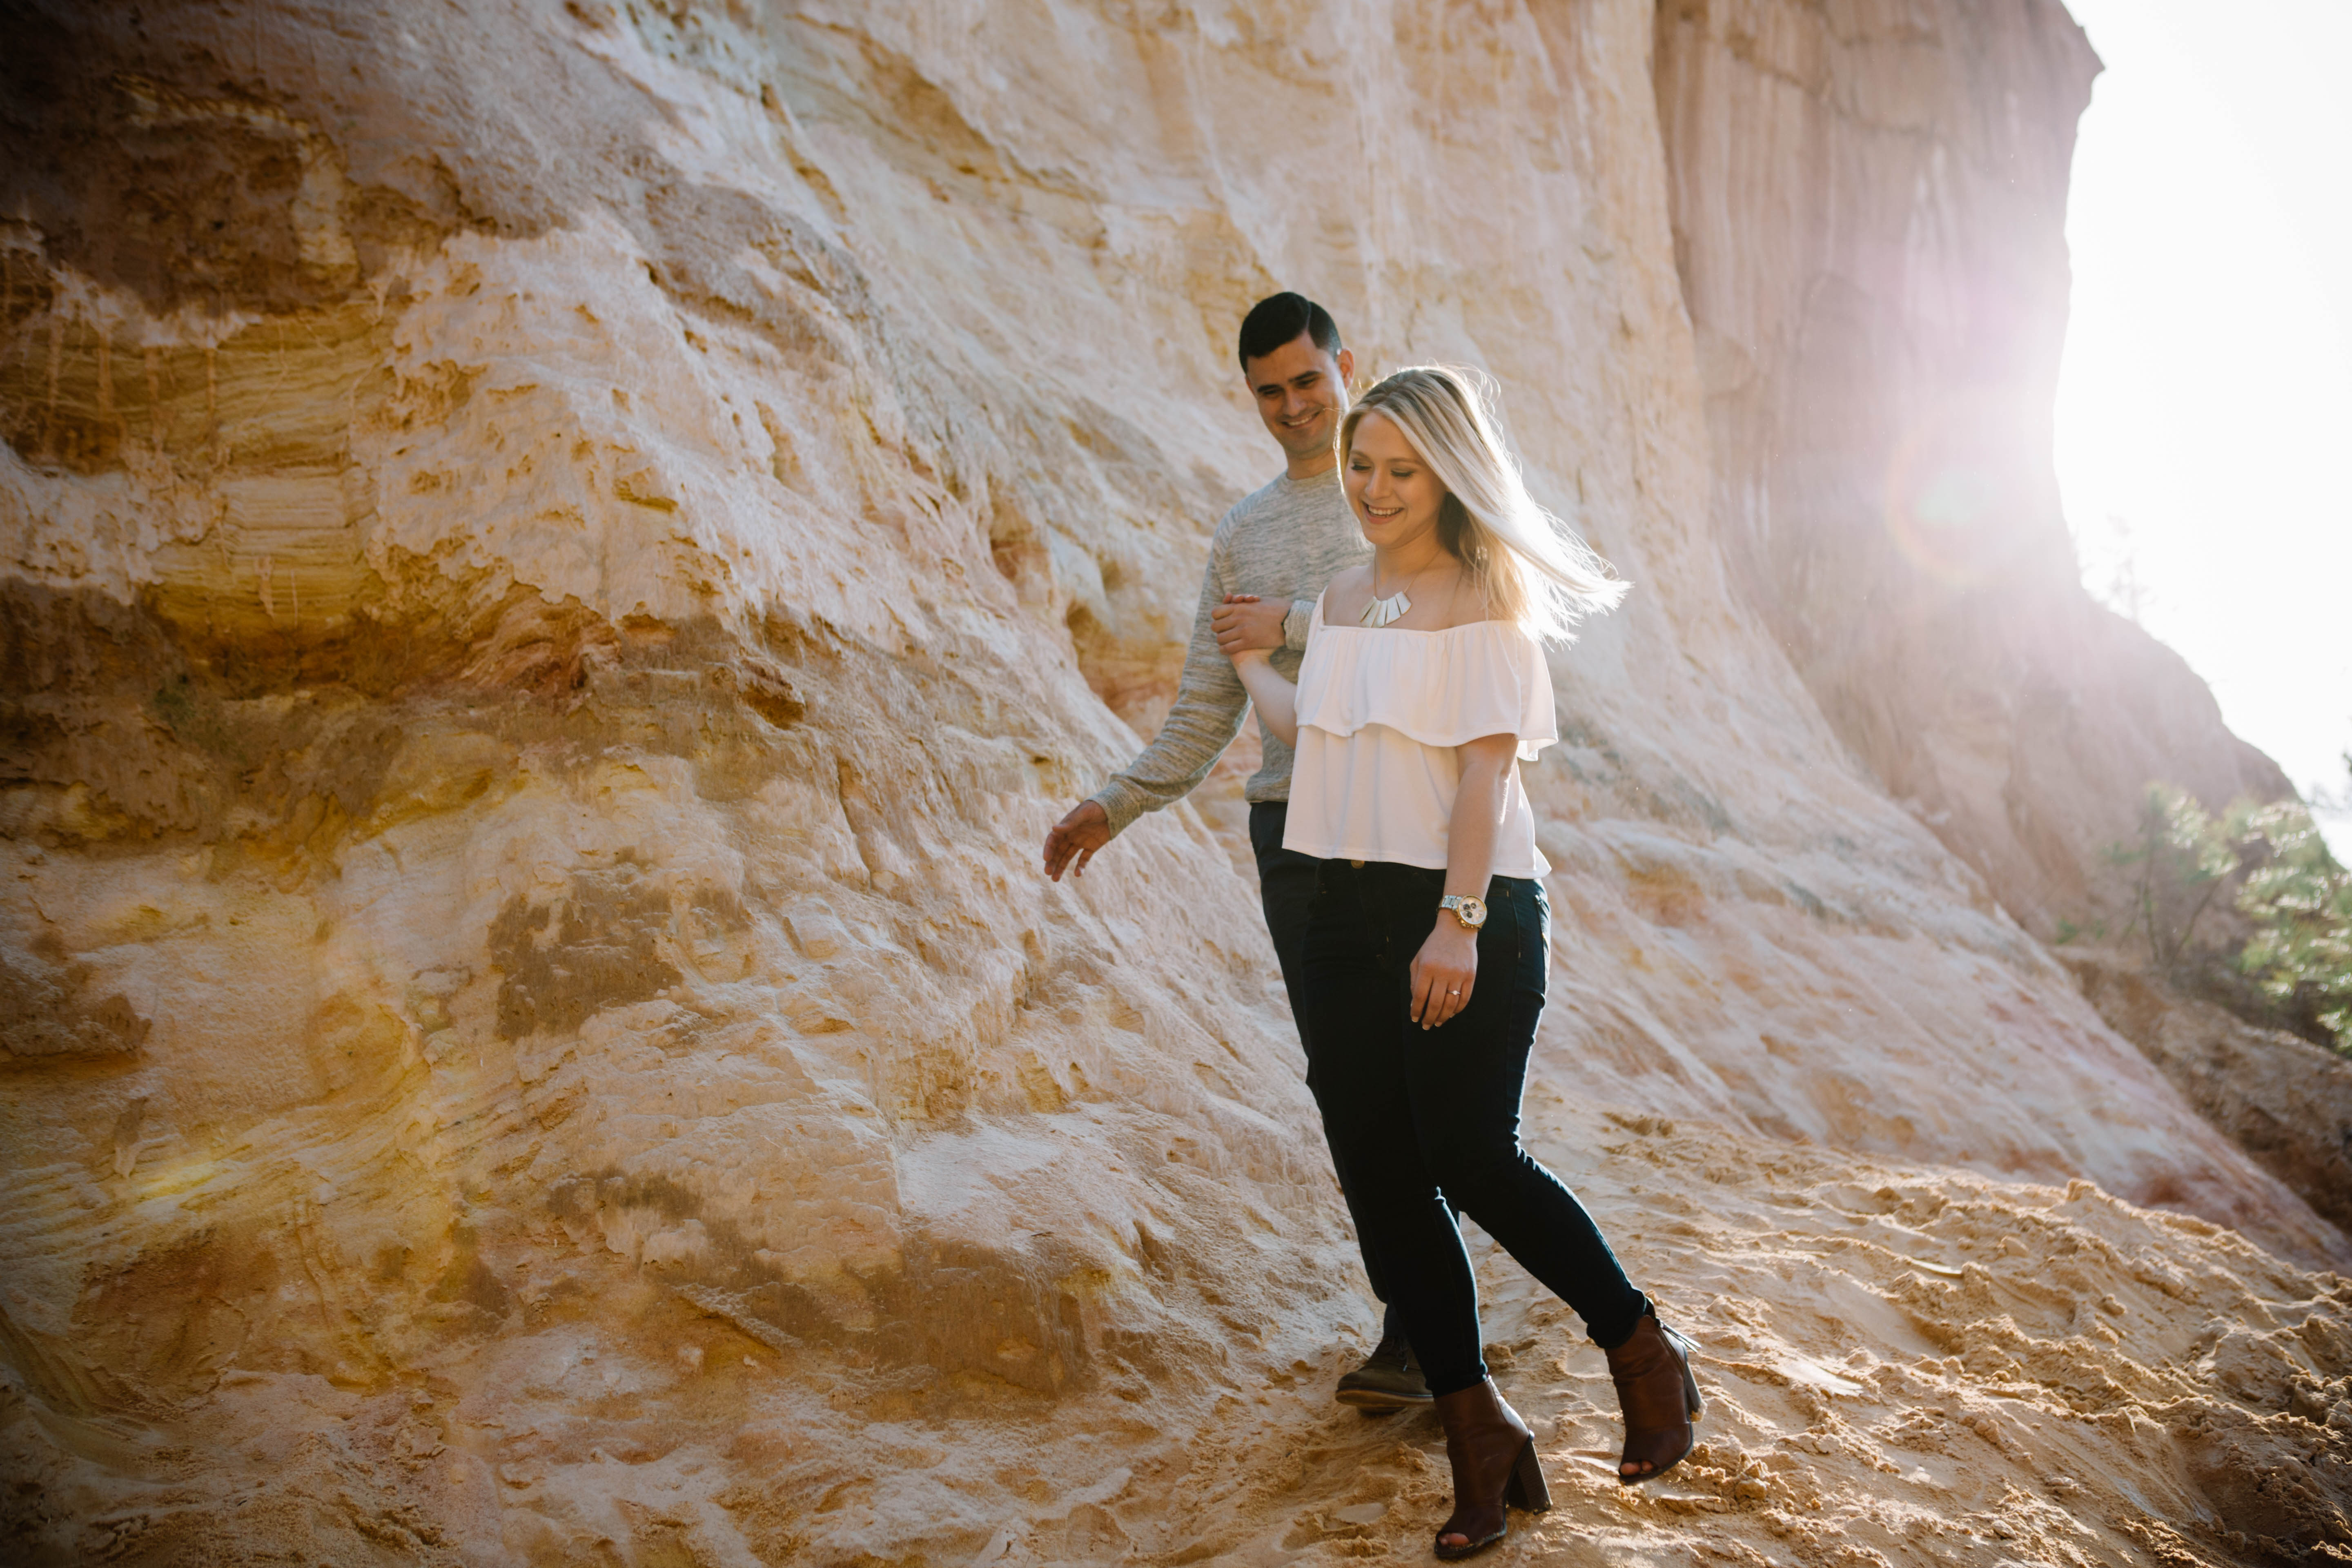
(2281, 877)
(2300, 900)
(2185, 859)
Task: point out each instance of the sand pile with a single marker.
(557, 567)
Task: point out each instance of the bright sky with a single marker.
(2205, 401)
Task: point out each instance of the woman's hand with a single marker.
(1444, 971)
(1449, 959)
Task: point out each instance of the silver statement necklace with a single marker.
(1380, 612)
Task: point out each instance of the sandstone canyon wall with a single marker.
(558, 563)
(1868, 229)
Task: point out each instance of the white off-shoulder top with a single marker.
(1380, 713)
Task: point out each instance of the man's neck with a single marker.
(1311, 467)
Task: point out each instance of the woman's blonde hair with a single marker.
(1531, 567)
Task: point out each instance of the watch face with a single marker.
(1473, 912)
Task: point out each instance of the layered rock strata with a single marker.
(557, 567)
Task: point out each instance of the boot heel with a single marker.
(1696, 1405)
(1525, 1488)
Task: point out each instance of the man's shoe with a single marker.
(1389, 1379)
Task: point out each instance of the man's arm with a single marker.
(1206, 715)
(1244, 621)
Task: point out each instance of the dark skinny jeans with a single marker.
(1285, 890)
(1421, 1122)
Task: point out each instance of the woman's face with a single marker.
(1394, 495)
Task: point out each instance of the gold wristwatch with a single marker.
(1470, 912)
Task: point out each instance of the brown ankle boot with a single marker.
(1659, 1396)
(1494, 1460)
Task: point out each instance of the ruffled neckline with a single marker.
(1318, 620)
(1437, 689)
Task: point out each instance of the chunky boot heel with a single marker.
(1527, 1490)
(1696, 1405)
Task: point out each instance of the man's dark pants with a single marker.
(1286, 887)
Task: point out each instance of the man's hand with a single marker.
(1242, 622)
(1085, 830)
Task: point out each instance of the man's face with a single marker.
(1301, 394)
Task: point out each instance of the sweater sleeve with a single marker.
(1294, 625)
(1203, 720)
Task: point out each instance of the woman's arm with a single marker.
(1277, 698)
(1447, 968)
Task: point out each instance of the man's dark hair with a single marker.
(1280, 319)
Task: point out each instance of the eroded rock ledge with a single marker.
(2285, 1100)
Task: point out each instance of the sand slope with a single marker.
(1901, 1365)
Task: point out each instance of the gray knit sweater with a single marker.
(1285, 542)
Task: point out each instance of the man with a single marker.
(1277, 547)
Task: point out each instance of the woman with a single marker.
(1424, 688)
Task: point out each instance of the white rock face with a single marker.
(558, 566)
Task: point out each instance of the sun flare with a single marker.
(2207, 379)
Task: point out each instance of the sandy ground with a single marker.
(1901, 1366)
